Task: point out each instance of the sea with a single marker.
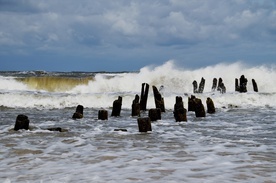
(235, 144)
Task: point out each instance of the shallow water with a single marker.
(236, 144)
(229, 146)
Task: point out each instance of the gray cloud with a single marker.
(89, 27)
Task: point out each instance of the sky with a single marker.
(126, 35)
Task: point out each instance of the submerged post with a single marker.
(210, 106)
(199, 108)
(79, 112)
(22, 122)
(144, 96)
(144, 124)
(155, 114)
(180, 113)
(158, 99)
(103, 115)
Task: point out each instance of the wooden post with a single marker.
(144, 96)
(180, 113)
(221, 88)
(135, 107)
(201, 85)
(210, 106)
(79, 112)
(243, 83)
(144, 124)
(155, 114)
(22, 122)
(103, 115)
(158, 99)
(199, 108)
(237, 86)
(255, 86)
(191, 103)
(117, 105)
(214, 86)
(195, 86)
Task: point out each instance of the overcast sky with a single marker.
(125, 35)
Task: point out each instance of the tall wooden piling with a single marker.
(201, 85)
(237, 86)
(117, 105)
(195, 86)
(214, 86)
(199, 108)
(191, 103)
(144, 96)
(243, 83)
(255, 86)
(158, 99)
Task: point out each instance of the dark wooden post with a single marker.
(210, 106)
(103, 115)
(180, 113)
(195, 86)
(255, 86)
(199, 108)
(221, 88)
(144, 96)
(201, 85)
(144, 124)
(243, 83)
(191, 103)
(79, 112)
(158, 99)
(22, 122)
(155, 114)
(237, 86)
(135, 107)
(214, 86)
(117, 105)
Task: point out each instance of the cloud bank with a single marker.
(127, 34)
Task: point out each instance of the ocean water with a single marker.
(236, 144)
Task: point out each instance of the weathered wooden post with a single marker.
(180, 113)
(158, 99)
(191, 103)
(79, 112)
(214, 86)
(135, 107)
(117, 105)
(144, 124)
(199, 108)
(144, 96)
(155, 114)
(195, 86)
(201, 85)
(210, 106)
(255, 86)
(103, 114)
(221, 88)
(22, 122)
(237, 86)
(243, 83)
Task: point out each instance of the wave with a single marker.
(101, 89)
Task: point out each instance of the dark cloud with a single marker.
(155, 29)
